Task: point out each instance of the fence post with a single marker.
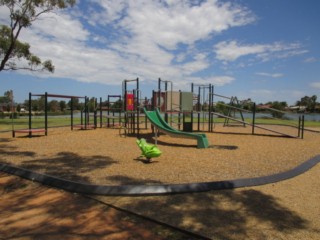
(253, 117)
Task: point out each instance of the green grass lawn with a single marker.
(275, 122)
(23, 123)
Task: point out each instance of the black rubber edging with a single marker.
(136, 190)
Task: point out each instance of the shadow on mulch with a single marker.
(255, 134)
(125, 180)
(6, 150)
(145, 161)
(2, 140)
(150, 137)
(55, 214)
(224, 147)
(219, 214)
(69, 165)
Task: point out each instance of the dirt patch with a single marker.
(31, 211)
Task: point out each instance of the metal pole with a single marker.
(192, 105)
(133, 113)
(30, 124)
(125, 96)
(95, 118)
(100, 112)
(108, 120)
(209, 110)
(253, 117)
(198, 106)
(120, 112)
(199, 95)
(302, 130)
(165, 101)
(299, 127)
(85, 111)
(12, 110)
(153, 100)
(159, 94)
(138, 109)
(46, 113)
(125, 104)
(71, 114)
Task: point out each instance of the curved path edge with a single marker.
(129, 190)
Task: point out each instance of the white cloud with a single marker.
(60, 27)
(315, 85)
(272, 75)
(266, 95)
(185, 82)
(263, 92)
(112, 11)
(168, 23)
(133, 39)
(229, 51)
(310, 60)
(221, 80)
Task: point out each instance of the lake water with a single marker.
(291, 116)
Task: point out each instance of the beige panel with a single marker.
(173, 101)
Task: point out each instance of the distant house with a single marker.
(298, 108)
(264, 106)
(4, 107)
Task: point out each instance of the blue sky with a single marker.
(266, 50)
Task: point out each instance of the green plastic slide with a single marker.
(158, 122)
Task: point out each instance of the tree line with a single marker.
(305, 104)
(60, 106)
(38, 104)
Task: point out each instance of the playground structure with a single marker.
(203, 102)
(197, 110)
(131, 106)
(235, 117)
(177, 106)
(203, 110)
(127, 114)
(112, 110)
(192, 111)
(84, 120)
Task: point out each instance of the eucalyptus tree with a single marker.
(22, 13)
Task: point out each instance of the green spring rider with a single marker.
(148, 150)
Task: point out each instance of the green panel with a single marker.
(186, 101)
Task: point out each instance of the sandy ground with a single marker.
(29, 210)
(286, 210)
(101, 156)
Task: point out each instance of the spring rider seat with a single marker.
(148, 150)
